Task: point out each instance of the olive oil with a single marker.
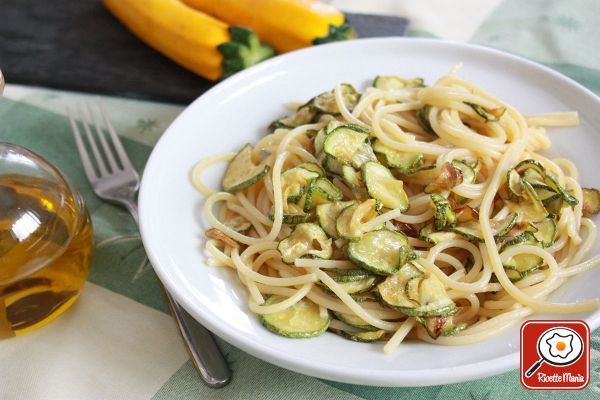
(45, 250)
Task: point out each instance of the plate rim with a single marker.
(404, 378)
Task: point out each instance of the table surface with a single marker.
(119, 342)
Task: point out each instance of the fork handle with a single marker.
(200, 343)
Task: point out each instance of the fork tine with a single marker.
(107, 151)
(99, 161)
(115, 138)
(83, 154)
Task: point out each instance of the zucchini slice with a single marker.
(545, 232)
(396, 159)
(520, 265)
(363, 155)
(343, 142)
(429, 234)
(292, 216)
(510, 223)
(383, 186)
(294, 181)
(241, 172)
(238, 224)
(440, 326)
(310, 166)
(325, 102)
(320, 191)
(392, 292)
(552, 182)
(444, 216)
(423, 119)
(529, 206)
(348, 275)
(302, 320)
(470, 231)
(350, 221)
(352, 178)
(469, 175)
(379, 251)
(415, 293)
(331, 165)
(514, 183)
(306, 240)
(320, 137)
(304, 115)
(488, 114)
(364, 337)
(328, 213)
(395, 82)
(534, 165)
(591, 201)
(354, 321)
(353, 287)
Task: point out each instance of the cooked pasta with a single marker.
(405, 211)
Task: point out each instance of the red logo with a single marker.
(555, 354)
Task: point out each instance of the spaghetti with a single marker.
(405, 212)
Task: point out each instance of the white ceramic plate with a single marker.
(238, 111)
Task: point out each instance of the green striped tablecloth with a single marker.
(119, 342)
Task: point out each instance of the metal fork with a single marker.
(114, 179)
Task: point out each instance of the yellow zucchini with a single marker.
(284, 24)
(193, 39)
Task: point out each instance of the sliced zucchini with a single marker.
(352, 178)
(545, 232)
(349, 223)
(395, 82)
(294, 181)
(534, 165)
(514, 183)
(392, 292)
(383, 186)
(328, 213)
(444, 326)
(520, 265)
(319, 139)
(364, 337)
(469, 230)
(469, 174)
(320, 191)
(552, 182)
(379, 251)
(429, 234)
(591, 201)
(396, 159)
(354, 321)
(348, 275)
(238, 224)
(545, 194)
(428, 296)
(362, 297)
(241, 172)
(444, 216)
(344, 142)
(489, 114)
(510, 223)
(306, 240)
(292, 216)
(423, 119)
(302, 320)
(304, 115)
(310, 166)
(353, 287)
(532, 176)
(325, 102)
(362, 155)
(331, 165)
